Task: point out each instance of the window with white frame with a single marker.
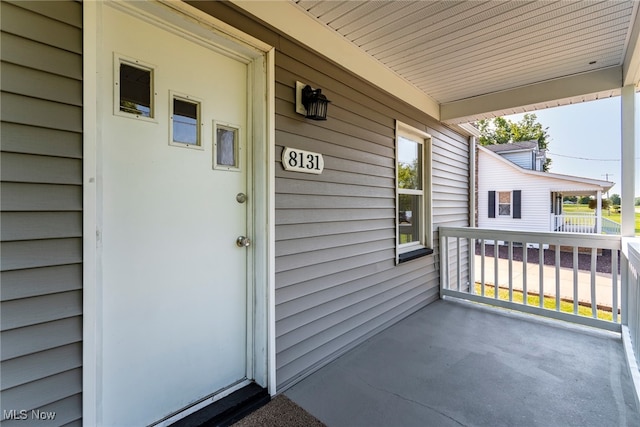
(504, 203)
(413, 168)
(134, 94)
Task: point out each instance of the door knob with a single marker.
(243, 242)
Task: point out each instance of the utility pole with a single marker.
(607, 175)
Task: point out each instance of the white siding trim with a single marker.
(92, 318)
(271, 221)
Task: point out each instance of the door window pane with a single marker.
(227, 147)
(135, 90)
(186, 127)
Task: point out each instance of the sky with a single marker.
(585, 140)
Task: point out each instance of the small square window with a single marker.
(226, 152)
(133, 89)
(186, 121)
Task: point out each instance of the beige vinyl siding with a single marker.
(337, 282)
(41, 209)
(336, 278)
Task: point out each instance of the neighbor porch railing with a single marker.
(610, 227)
(582, 223)
(565, 277)
(574, 223)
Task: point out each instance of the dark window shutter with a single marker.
(492, 204)
(517, 204)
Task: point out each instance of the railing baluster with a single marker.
(496, 257)
(557, 277)
(458, 268)
(446, 266)
(594, 301)
(525, 255)
(510, 271)
(614, 285)
(575, 280)
(482, 266)
(541, 272)
(471, 256)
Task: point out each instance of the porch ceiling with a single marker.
(480, 59)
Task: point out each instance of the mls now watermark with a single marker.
(23, 414)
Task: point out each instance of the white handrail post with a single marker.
(599, 212)
(444, 263)
(628, 101)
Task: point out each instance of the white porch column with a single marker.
(599, 212)
(628, 114)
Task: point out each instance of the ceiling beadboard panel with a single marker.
(456, 50)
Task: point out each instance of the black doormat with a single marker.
(228, 410)
(280, 412)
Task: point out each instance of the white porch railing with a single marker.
(574, 223)
(631, 314)
(582, 223)
(562, 286)
(497, 280)
(610, 227)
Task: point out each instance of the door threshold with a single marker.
(229, 409)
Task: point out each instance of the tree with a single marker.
(615, 199)
(584, 200)
(503, 131)
(604, 205)
(408, 175)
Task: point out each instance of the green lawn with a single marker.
(569, 209)
(549, 302)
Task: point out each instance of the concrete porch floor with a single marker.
(456, 364)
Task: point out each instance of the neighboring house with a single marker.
(173, 229)
(514, 193)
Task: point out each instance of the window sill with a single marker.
(415, 254)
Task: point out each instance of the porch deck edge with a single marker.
(632, 363)
(534, 310)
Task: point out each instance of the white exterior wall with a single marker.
(524, 159)
(496, 175)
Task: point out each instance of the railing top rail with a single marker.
(633, 253)
(597, 241)
(577, 214)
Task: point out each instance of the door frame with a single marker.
(204, 29)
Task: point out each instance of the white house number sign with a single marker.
(302, 161)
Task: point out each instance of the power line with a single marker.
(585, 158)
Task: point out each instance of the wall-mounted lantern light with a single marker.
(311, 102)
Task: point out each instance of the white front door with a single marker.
(173, 161)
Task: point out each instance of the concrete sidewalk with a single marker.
(603, 282)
